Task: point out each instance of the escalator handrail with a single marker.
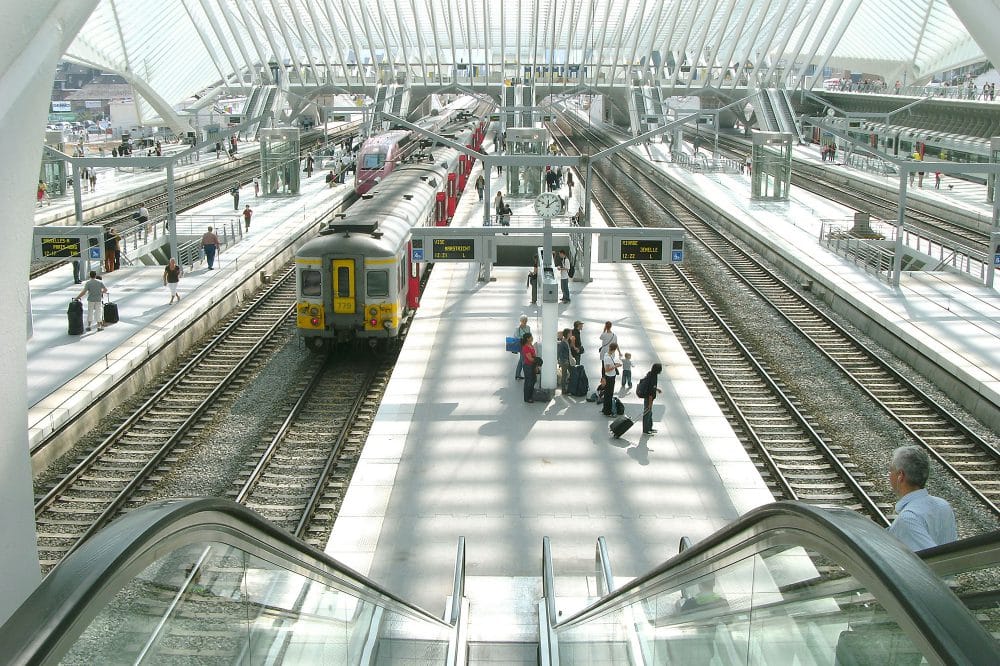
(963, 555)
(62, 606)
(928, 612)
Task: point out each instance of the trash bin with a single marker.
(74, 313)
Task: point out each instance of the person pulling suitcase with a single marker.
(95, 291)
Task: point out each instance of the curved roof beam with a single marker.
(980, 18)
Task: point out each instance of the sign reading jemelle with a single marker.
(61, 247)
(453, 249)
(641, 250)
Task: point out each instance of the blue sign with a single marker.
(677, 255)
(417, 254)
(95, 253)
(996, 259)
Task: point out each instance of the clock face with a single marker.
(548, 204)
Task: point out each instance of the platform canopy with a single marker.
(172, 50)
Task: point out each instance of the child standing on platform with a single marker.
(627, 370)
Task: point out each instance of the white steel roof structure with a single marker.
(172, 50)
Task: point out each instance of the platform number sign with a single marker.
(677, 251)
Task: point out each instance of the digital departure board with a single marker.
(453, 249)
(61, 247)
(641, 250)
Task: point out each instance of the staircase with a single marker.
(260, 107)
(774, 111)
(392, 99)
(517, 105)
(781, 104)
(646, 109)
(767, 120)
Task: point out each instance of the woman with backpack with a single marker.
(647, 390)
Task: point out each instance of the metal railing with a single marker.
(875, 255)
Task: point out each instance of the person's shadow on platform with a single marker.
(640, 452)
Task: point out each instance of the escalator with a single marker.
(210, 582)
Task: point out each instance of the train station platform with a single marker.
(946, 325)
(66, 374)
(965, 196)
(115, 184)
(455, 450)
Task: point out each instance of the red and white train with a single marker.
(380, 154)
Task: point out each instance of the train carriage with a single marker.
(356, 280)
(902, 141)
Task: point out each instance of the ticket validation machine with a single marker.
(550, 282)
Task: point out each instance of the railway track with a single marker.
(303, 469)
(811, 178)
(112, 477)
(296, 478)
(969, 459)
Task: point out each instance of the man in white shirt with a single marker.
(610, 370)
(922, 520)
(564, 275)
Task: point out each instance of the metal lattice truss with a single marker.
(172, 50)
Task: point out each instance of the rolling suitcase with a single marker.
(74, 313)
(110, 313)
(620, 425)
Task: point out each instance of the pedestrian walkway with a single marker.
(68, 373)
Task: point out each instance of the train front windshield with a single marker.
(372, 161)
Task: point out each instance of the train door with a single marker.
(343, 286)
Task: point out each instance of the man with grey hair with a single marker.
(922, 520)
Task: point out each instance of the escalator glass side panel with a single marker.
(787, 584)
(776, 606)
(209, 582)
(213, 604)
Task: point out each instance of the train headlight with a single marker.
(314, 312)
(373, 312)
(387, 324)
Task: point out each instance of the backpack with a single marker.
(642, 390)
(572, 269)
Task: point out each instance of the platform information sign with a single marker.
(60, 247)
(60, 243)
(641, 246)
(453, 249)
(641, 250)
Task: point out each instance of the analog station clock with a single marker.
(548, 204)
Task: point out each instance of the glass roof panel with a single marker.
(177, 49)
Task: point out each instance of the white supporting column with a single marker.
(980, 18)
(33, 36)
